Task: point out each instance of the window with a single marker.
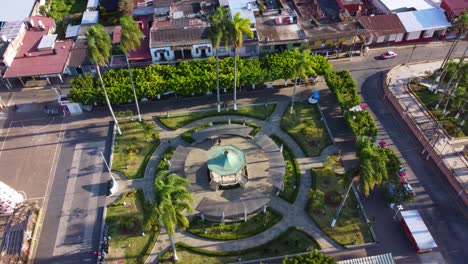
(296, 45)
(324, 43)
(196, 50)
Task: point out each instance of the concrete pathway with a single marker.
(293, 214)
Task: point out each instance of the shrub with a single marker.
(313, 134)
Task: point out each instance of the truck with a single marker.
(417, 231)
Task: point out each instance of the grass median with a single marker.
(176, 121)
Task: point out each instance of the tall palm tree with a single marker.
(130, 40)
(303, 68)
(219, 24)
(240, 26)
(171, 199)
(99, 52)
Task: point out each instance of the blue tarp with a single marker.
(316, 95)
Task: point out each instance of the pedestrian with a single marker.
(219, 141)
(96, 254)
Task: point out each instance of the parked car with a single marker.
(408, 189)
(402, 172)
(388, 55)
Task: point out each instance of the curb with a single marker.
(35, 235)
(374, 236)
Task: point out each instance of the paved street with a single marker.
(74, 199)
(446, 223)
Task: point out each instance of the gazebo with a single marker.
(226, 165)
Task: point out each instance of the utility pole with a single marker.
(414, 47)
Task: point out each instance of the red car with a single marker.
(388, 55)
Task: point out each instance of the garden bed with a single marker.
(174, 122)
(430, 100)
(305, 127)
(138, 138)
(350, 229)
(290, 242)
(235, 230)
(292, 177)
(127, 221)
(187, 135)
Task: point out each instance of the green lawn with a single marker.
(291, 242)
(261, 112)
(292, 178)
(350, 228)
(133, 139)
(127, 242)
(305, 127)
(430, 100)
(235, 230)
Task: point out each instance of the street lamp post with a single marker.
(333, 223)
(114, 183)
(399, 208)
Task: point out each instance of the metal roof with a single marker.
(226, 160)
(47, 42)
(382, 25)
(379, 259)
(92, 4)
(418, 229)
(404, 5)
(90, 17)
(424, 20)
(16, 10)
(72, 31)
(11, 30)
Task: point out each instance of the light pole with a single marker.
(399, 208)
(114, 183)
(414, 47)
(342, 203)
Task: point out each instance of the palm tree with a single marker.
(99, 52)
(240, 26)
(304, 68)
(219, 24)
(171, 199)
(130, 40)
(461, 24)
(448, 90)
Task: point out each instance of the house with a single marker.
(90, 18)
(78, 62)
(277, 33)
(352, 6)
(93, 5)
(383, 29)
(18, 10)
(40, 55)
(180, 30)
(424, 25)
(454, 8)
(11, 36)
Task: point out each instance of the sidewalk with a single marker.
(440, 149)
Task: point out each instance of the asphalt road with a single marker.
(73, 219)
(446, 223)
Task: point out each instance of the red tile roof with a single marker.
(454, 7)
(29, 61)
(143, 52)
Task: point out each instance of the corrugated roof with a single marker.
(16, 10)
(11, 30)
(382, 25)
(179, 31)
(399, 5)
(424, 20)
(78, 54)
(379, 259)
(92, 4)
(72, 31)
(90, 17)
(418, 229)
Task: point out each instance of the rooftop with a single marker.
(378, 259)
(328, 31)
(407, 5)
(72, 31)
(382, 25)
(30, 61)
(11, 30)
(143, 52)
(90, 17)
(179, 31)
(246, 8)
(78, 55)
(456, 6)
(419, 230)
(424, 20)
(92, 4)
(16, 10)
(226, 160)
(268, 29)
(117, 34)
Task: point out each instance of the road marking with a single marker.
(4, 140)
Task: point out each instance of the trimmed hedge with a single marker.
(289, 158)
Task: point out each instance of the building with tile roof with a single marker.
(47, 62)
(382, 29)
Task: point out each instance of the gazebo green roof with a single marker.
(226, 160)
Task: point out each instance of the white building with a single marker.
(396, 6)
(424, 24)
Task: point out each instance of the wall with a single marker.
(399, 37)
(413, 35)
(157, 58)
(207, 47)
